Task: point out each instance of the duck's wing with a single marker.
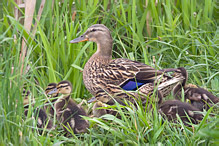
(122, 75)
(130, 75)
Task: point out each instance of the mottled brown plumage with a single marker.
(170, 108)
(121, 78)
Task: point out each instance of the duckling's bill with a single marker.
(93, 99)
(82, 38)
(55, 90)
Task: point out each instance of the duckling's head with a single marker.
(64, 87)
(98, 112)
(100, 34)
(51, 89)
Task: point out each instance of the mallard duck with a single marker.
(198, 97)
(105, 77)
(38, 113)
(67, 111)
(171, 108)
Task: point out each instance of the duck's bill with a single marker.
(92, 100)
(79, 39)
(53, 91)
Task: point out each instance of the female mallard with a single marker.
(67, 111)
(170, 108)
(198, 97)
(105, 77)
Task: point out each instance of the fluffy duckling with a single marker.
(198, 97)
(53, 97)
(67, 111)
(26, 95)
(170, 108)
(42, 119)
(39, 114)
(98, 112)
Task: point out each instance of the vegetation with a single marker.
(182, 33)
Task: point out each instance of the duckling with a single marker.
(42, 119)
(38, 113)
(170, 108)
(67, 111)
(121, 78)
(98, 112)
(26, 94)
(198, 97)
(51, 88)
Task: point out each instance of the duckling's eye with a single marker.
(93, 30)
(66, 88)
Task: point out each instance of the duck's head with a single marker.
(99, 34)
(63, 87)
(51, 89)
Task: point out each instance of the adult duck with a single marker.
(120, 78)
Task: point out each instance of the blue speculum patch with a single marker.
(133, 84)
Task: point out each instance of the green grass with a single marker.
(179, 34)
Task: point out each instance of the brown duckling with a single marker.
(67, 111)
(99, 109)
(38, 113)
(98, 112)
(198, 97)
(42, 119)
(26, 94)
(53, 97)
(170, 108)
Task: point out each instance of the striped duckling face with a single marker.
(64, 87)
(51, 89)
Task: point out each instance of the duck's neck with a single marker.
(104, 51)
(104, 48)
